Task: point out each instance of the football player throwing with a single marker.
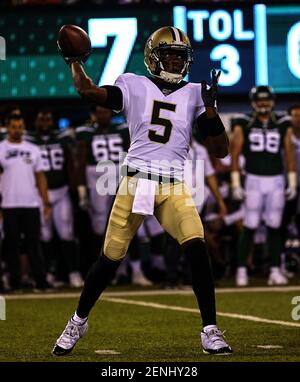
(160, 111)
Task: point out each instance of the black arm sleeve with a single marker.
(114, 98)
(209, 127)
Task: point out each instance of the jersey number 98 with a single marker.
(269, 142)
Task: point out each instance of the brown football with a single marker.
(73, 41)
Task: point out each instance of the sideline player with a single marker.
(23, 184)
(57, 161)
(292, 207)
(99, 141)
(262, 136)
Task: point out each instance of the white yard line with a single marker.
(269, 346)
(158, 292)
(113, 297)
(191, 310)
(107, 352)
(293, 288)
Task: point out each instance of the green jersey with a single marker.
(54, 147)
(104, 144)
(263, 143)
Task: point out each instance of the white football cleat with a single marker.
(75, 280)
(241, 277)
(277, 277)
(70, 336)
(51, 279)
(139, 279)
(213, 342)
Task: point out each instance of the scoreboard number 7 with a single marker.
(125, 31)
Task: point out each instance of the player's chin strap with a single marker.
(173, 78)
(170, 77)
(262, 110)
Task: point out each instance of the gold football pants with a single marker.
(174, 209)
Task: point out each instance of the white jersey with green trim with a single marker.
(160, 123)
(199, 152)
(296, 142)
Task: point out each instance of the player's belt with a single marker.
(129, 171)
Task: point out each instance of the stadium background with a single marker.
(252, 43)
(265, 41)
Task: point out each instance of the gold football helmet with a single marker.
(163, 39)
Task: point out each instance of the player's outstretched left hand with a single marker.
(290, 193)
(209, 94)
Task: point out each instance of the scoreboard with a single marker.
(252, 44)
(256, 45)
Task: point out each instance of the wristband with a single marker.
(210, 127)
(82, 191)
(235, 179)
(214, 126)
(292, 179)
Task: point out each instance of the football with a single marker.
(73, 41)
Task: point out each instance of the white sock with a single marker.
(274, 270)
(209, 327)
(78, 320)
(136, 266)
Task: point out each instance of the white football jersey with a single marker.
(199, 152)
(160, 125)
(296, 142)
(19, 163)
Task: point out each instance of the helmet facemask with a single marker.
(159, 57)
(172, 62)
(262, 99)
(264, 108)
(168, 54)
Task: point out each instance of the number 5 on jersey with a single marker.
(157, 120)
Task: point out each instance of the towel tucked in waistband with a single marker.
(144, 198)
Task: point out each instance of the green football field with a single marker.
(154, 325)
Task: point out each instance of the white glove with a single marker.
(238, 193)
(237, 190)
(83, 198)
(291, 191)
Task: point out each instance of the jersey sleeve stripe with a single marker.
(65, 133)
(84, 128)
(286, 118)
(122, 126)
(241, 116)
